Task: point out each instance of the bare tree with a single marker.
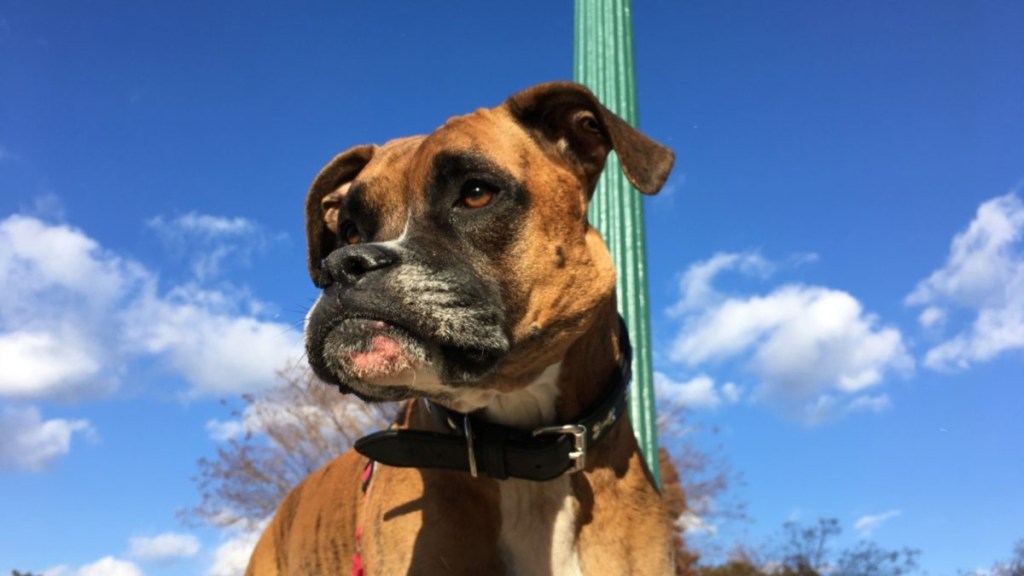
(868, 559)
(806, 548)
(280, 437)
(806, 551)
(705, 476)
(675, 501)
(1015, 566)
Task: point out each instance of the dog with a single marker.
(459, 272)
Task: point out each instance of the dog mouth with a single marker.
(368, 350)
(373, 349)
(380, 359)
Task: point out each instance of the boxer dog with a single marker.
(459, 272)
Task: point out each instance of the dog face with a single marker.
(460, 264)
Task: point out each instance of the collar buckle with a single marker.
(578, 454)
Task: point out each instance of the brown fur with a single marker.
(558, 283)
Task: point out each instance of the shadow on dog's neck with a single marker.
(589, 366)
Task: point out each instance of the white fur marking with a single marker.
(538, 519)
(528, 407)
(538, 528)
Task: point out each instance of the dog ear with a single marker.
(569, 117)
(322, 205)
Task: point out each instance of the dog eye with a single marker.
(476, 194)
(349, 233)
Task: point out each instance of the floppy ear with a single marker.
(569, 117)
(322, 205)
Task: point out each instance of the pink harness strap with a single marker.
(364, 484)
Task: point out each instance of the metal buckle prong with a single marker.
(469, 445)
(578, 455)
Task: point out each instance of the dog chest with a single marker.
(539, 527)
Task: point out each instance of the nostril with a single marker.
(351, 263)
(355, 267)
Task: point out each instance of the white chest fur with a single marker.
(538, 519)
(538, 527)
(529, 407)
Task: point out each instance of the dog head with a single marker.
(461, 263)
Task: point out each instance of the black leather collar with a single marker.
(476, 446)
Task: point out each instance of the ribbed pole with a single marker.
(603, 61)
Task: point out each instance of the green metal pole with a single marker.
(603, 61)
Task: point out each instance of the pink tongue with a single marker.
(384, 355)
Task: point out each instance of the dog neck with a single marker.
(565, 389)
(530, 407)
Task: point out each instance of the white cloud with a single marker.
(29, 443)
(210, 241)
(221, 430)
(208, 337)
(868, 403)
(59, 288)
(698, 392)
(232, 556)
(36, 255)
(38, 363)
(696, 286)
(75, 314)
(693, 524)
(932, 316)
(106, 566)
(866, 525)
(983, 275)
(809, 346)
(694, 520)
(731, 392)
(164, 548)
(204, 224)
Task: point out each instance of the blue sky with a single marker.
(836, 265)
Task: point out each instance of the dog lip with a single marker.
(379, 324)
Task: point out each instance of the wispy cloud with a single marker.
(696, 289)
(870, 403)
(866, 525)
(670, 191)
(106, 566)
(30, 443)
(164, 548)
(210, 242)
(232, 556)
(811, 348)
(984, 276)
(694, 524)
(205, 225)
(699, 392)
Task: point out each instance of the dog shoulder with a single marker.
(312, 531)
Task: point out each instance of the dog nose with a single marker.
(349, 264)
